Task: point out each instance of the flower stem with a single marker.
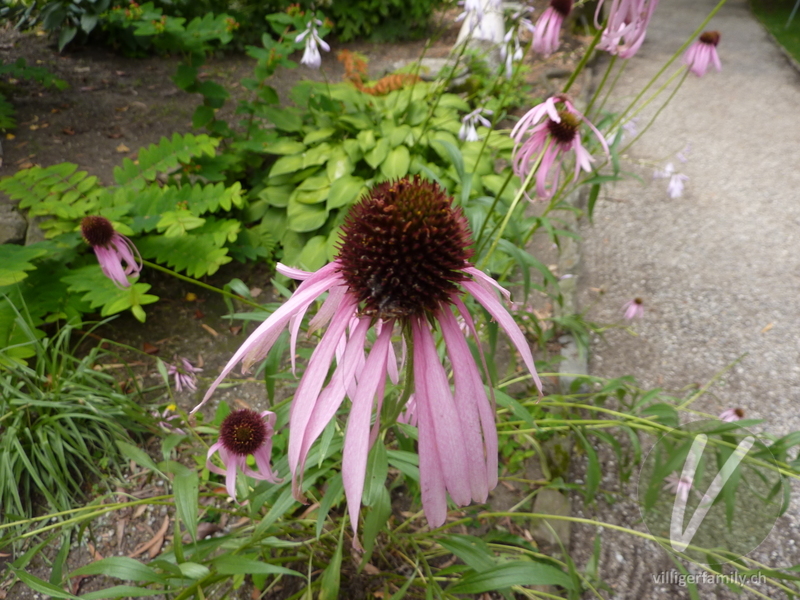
(599, 89)
(584, 59)
(513, 207)
(678, 52)
(201, 284)
(409, 378)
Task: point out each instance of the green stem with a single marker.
(513, 207)
(478, 245)
(658, 112)
(613, 85)
(610, 67)
(584, 59)
(409, 379)
(201, 284)
(678, 53)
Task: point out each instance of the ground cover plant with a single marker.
(403, 216)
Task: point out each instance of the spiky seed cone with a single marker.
(710, 37)
(403, 248)
(565, 131)
(243, 432)
(97, 231)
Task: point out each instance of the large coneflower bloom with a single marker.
(546, 35)
(403, 266)
(554, 131)
(117, 255)
(244, 433)
(626, 26)
(703, 53)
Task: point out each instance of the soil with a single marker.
(113, 106)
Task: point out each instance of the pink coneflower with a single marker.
(702, 53)
(634, 309)
(311, 55)
(402, 266)
(169, 420)
(469, 131)
(547, 126)
(548, 27)
(626, 26)
(732, 414)
(184, 374)
(243, 433)
(112, 250)
(678, 485)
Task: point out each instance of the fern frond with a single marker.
(100, 292)
(164, 157)
(197, 255)
(15, 261)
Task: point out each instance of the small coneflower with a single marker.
(553, 127)
(244, 433)
(117, 255)
(626, 26)
(403, 265)
(184, 373)
(548, 27)
(732, 414)
(702, 53)
(311, 56)
(634, 309)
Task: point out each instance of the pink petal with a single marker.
(356, 441)
(506, 321)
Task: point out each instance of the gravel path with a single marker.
(717, 268)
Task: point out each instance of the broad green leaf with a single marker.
(139, 456)
(42, 586)
(306, 217)
(329, 589)
(345, 191)
(472, 550)
(338, 165)
(287, 164)
(332, 496)
(318, 135)
(396, 163)
(314, 254)
(317, 155)
(277, 195)
(378, 154)
(375, 521)
(186, 488)
(285, 146)
(193, 570)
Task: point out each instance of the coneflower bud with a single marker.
(117, 255)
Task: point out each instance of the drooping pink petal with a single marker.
(432, 389)
(356, 441)
(261, 340)
(308, 391)
(469, 393)
(506, 321)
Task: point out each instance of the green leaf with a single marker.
(120, 591)
(178, 222)
(41, 586)
(66, 36)
(314, 254)
(378, 154)
(285, 146)
(318, 135)
(101, 292)
(375, 521)
(329, 589)
(375, 479)
(287, 164)
(333, 495)
(338, 165)
(15, 260)
(230, 564)
(517, 572)
(472, 550)
(306, 217)
(121, 567)
(186, 488)
(593, 471)
(203, 115)
(139, 456)
(193, 570)
(195, 254)
(345, 191)
(396, 163)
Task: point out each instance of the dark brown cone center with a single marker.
(97, 231)
(403, 249)
(565, 131)
(243, 432)
(710, 37)
(563, 7)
